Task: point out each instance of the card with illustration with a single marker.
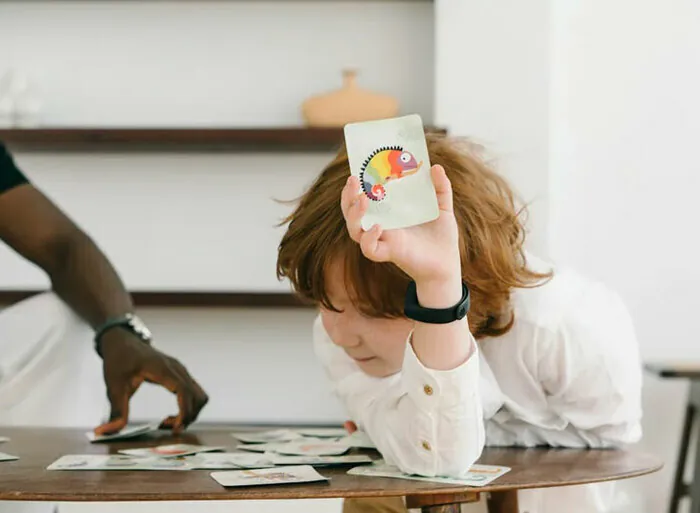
(116, 462)
(358, 439)
(271, 476)
(124, 434)
(353, 459)
(7, 457)
(323, 432)
(390, 158)
(271, 447)
(478, 475)
(229, 461)
(312, 448)
(271, 435)
(170, 451)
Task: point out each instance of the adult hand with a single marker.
(127, 363)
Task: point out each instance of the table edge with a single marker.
(258, 493)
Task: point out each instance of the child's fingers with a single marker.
(372, 247)
(443, 188)
(348, 194)
(353, 216)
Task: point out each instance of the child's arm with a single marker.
(591, 372)
(424, 421)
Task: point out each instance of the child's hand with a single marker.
(428, 253)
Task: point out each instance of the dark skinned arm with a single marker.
(83, 277)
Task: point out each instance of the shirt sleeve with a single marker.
(590, 370)
(423, 421)
(10, 175)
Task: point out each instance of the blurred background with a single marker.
(589, 108)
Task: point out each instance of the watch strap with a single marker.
(130, 322)
(413, 310)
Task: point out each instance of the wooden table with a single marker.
(691, 372)
(27, 479)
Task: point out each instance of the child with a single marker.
(541, 358)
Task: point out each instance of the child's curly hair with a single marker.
(491, 242)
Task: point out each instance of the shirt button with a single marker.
(426, 445)
(428, 390)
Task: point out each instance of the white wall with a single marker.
(625, 176)
(492, 85)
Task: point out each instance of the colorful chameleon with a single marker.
(383, 165)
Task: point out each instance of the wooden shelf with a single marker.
(176, 139)
(173, 139)
(189, 299)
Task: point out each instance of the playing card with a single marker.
(170, 451)
(7, 457)
(390, 158)
(479, 475)
(323, 432)
(358, 439)
(229, 460)
(354, 459)
(124, 434)
(116, 462)
(310, 447)
(270, 476)
(272, 435)
(272, 447)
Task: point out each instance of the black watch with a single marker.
(129, 322)
(415, 311)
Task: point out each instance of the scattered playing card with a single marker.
(270, 476)
(4, 439)
(272, 447)
(479, 475)
(358, 439)
(228, 461)
(170, 451)
(390, 158)
(312, 448)
(323, 432)
(7, 457)
(116, 462)
(126, 433)
(273, 435)
(354, 459)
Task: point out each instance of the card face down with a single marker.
(390, 158)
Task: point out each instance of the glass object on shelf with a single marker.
(348, 104)
(20, 104)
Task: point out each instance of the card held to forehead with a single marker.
(390, 158)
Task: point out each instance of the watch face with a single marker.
(139, 327)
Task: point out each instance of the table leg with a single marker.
(694, 486)
(441, 503)
(679, 487)
(503, 502)
(442, 508)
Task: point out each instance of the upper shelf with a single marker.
(176, 139)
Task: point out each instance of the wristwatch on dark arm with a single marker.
(129, 322)
(413, 310)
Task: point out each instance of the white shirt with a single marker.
(567, 374)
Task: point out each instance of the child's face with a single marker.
(376, 345)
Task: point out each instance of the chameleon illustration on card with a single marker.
(390, 159)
